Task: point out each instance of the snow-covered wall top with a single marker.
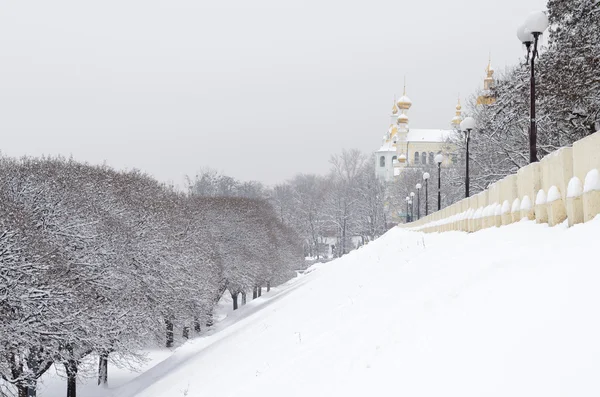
(554, 182)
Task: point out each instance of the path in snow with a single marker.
(53, 383)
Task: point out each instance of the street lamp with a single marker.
(439, 158)
(412, 206)
(426, 179)
(407, 202)
(418, 201)
(529, 34)
(467, 125)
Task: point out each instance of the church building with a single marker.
(406, 147)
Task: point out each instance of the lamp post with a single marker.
(426, 179)
(407, 202)
(439, 158)
(418, 201)
(467, 126)
(529, 34)
(412, 206)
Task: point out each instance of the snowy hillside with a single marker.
(502, 312)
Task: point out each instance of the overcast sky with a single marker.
(259, 89)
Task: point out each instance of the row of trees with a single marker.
(568, 99)
(96, 261)
(349, 202)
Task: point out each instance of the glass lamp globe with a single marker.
(467, 124)
(537, 22)
(412, 194)
(439, 158)
(426, 176)
(524, 34)
(419, 186)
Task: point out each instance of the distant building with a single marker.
(404, 147)
(487, 96)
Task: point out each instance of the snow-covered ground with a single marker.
(509, 311)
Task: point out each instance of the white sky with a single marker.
(258, 89)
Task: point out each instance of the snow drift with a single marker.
(504, 311)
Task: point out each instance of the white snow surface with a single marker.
(498, 210)
(509, 311)
(592, 181)
(516, 205)
(540, 198)
(525, 204)
(505, 207)
(421, 135)
(553, 194)
(574, 189)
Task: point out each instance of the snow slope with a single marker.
(504, 311)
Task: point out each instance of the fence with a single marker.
(564, 185)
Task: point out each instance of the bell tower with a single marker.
(404, 104)
(487, 96)
(458, 117)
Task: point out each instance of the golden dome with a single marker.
(394, 108)
(404, 102)
(487, 98)
(393, 131)
(458, 117)
(403, 119)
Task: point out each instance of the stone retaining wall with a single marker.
(563, 186)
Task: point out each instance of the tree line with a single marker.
(348, 203)
(99, 261)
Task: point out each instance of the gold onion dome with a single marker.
(457, 118)
(394, 108)
(404, 102)
(403, 119)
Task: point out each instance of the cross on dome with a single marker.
(404, 102)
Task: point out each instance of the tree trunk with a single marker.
(210, 321)
(259, 288)
(71, 368)
(169, 332)
(254, 293)
(243, 298)
(32, 390)
(186, 332)
(235, 301)
(23, 391)
(103, 370)
(268, 286)
(343, 250)
(197, 325)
